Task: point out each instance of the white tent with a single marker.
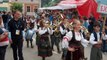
(59, 7)
(66, 4)
(70, 2)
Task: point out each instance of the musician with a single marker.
(29, 35)
(96, 41)
(44, 47)
(72, 42)
(64, 28)
(104, 49)
(56, 36)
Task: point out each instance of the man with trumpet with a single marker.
(56, 35)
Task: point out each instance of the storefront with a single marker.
(3, 8)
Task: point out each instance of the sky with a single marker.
(102, 1)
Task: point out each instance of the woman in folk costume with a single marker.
(72, 42)
(4, 40)
(44, 46)
(96, 41)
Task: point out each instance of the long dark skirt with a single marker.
(96, 54)
(44, 49)
(74, 55)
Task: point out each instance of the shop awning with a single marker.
(3, 8)
(5, 0)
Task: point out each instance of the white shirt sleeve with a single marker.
(50, 31)
(104, 37)
(42, 31)
(92, 38)
(66, 39)
(84, 42)
(35, 27)
(62, 30)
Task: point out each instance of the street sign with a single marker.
(102, 9)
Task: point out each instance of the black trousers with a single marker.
(55, 41)
(2, 52)
(28, 40)
(17, 46)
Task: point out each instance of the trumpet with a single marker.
(86, 32)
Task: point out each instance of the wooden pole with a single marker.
(104, 22)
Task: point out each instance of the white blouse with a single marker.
(44, 30)
(78, 37)
(63, 31)
(92, 38)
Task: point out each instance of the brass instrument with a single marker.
(55, 27)
(86, 32)
(69, 26)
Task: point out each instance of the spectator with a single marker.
(4, 41)
(16, 27)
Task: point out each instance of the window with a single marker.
(28, 8)
(35, 9)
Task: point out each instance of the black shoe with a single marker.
(85, 59)
(43, 58)
(62, 58)
(59, 52)
(27, 46)
(32, 46)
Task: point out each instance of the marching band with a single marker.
(69, 37)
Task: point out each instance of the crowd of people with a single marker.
(58, 27)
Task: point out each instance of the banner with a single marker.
(102, 9)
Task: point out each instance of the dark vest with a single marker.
(73, 42)
(95, 35)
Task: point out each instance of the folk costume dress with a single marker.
(44, 46)
(96, 53)
(74, 40)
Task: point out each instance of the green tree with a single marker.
(47, 3)
(16, 6)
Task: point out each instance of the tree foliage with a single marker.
(16, 6)
(47, 3)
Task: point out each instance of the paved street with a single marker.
(31, 54)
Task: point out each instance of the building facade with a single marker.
(4, 5)
(29, 6)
